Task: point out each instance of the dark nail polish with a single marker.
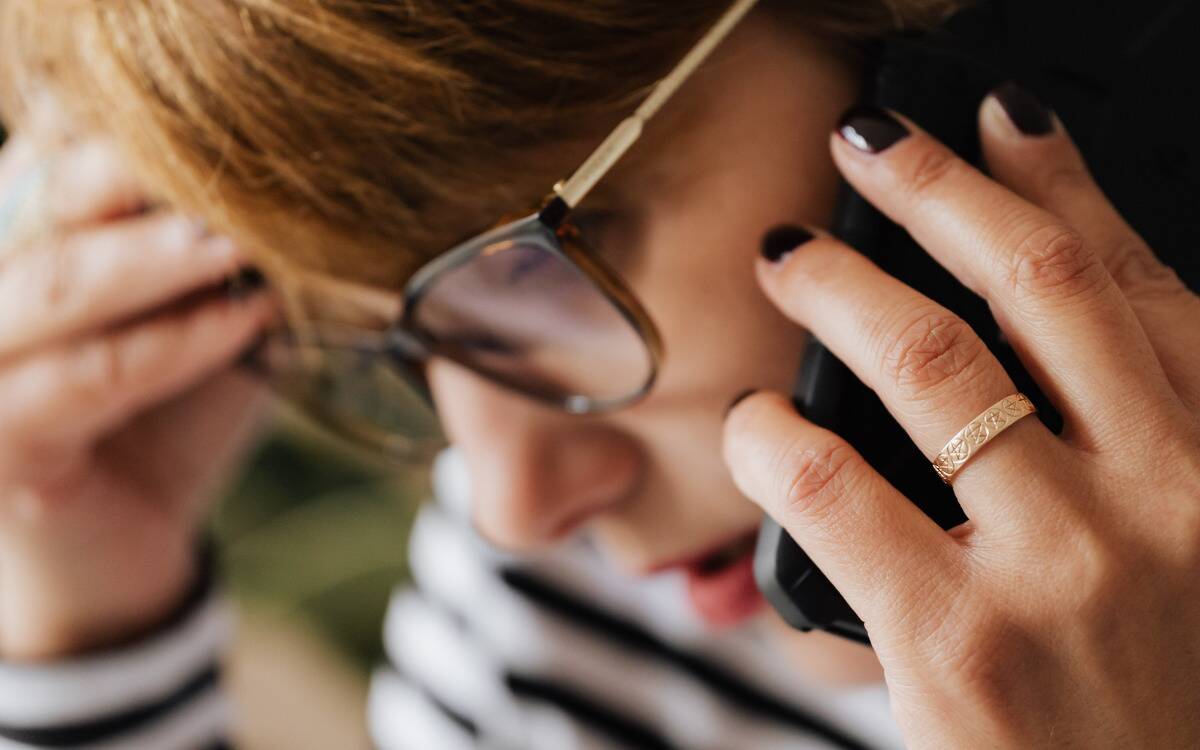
(1024, 110)
(248, 281)
(739, 399)
(871, 129)
(782, 240)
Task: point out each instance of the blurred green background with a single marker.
(309, 531)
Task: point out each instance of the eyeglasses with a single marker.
(526, 305)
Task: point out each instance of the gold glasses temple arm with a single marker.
(578, 185)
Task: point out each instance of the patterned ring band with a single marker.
(979, 432)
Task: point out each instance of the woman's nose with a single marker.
(536, 473)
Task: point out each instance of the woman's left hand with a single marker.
(1066, 613)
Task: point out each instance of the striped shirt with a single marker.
(485, 650)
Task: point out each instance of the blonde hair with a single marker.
(341, 136)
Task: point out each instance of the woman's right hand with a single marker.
(119, 402)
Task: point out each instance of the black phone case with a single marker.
(1117, 74)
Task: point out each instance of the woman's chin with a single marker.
(828, 658)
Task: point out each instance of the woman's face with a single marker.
(743, 147)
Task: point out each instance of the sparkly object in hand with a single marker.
(978, 432)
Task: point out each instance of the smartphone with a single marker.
(1117, 74)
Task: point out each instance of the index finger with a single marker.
(1052, 295)
(97, 277)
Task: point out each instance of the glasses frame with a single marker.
(549, 230)
(403, 356)
(403, 344)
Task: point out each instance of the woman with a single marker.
(339, 146)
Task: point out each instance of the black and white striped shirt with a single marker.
(553, 652)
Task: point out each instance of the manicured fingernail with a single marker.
(1024, 110)
(871, 129)
(248, 281)
(782, 240)
(740, 398)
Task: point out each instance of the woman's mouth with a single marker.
(720, 583)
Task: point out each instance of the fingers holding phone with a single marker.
(1050, 172)
(1066, 529)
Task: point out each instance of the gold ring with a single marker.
(979, 432)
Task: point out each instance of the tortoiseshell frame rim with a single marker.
(392, 447)
(550, 229)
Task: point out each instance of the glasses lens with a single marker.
(519, 311)
(358, 390)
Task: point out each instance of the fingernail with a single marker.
(782, 240)
(248, 281)
(739, 399)
(1025, 111)
(871, 129)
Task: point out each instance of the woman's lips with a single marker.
(720, 583)
(727, 597)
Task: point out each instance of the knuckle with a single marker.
(1096, 561)
(990, 660)
(815, 477)
(933, 349)
(929, 168)
(1141, 275)
(1054, 260)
